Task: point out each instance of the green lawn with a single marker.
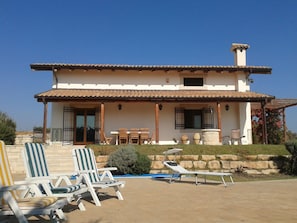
(192, 149)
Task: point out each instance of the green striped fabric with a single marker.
(63, 190)
(37, 167)
(36, 160)
(86, 162)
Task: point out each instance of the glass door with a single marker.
(84, 127)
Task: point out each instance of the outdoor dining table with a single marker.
(116, 134)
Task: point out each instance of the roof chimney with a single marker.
(239, 50)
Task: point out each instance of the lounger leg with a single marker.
(91, 190)
(80, 204)
(196, 179)
(231, 179)
(171, 179)
(95, 197)
(118, 193)
(223, 180)
(60, 214)
(14, 207)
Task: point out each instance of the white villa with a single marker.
(90, 101)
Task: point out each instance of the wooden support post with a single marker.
(44, 121)
(264, 127)
(284, 124)
(157, 122)
(102, 111)
(219, 120)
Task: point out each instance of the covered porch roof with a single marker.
(276, 104)
(59, 95)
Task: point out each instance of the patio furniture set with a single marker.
(136, 136)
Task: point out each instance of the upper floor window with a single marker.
(193, 81)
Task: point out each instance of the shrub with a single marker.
(143, 164)
(7, 129)
(291, 146)
(129, 161)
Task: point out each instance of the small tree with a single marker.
(291, 136)
(273, 123)
(291, 146)
(7, 129)
(274, 127)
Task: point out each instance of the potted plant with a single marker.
(196, 138)
(185, 139)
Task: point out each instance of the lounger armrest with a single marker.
(39, 179)
(14, 187)
(107, 169)
(85, 172)
(25, 187)
(57, 175)
(22, 182)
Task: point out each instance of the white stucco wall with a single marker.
(145, 80)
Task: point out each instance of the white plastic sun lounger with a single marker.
(179, 170)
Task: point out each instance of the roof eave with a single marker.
(191, 68)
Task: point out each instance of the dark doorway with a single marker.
(84, 126)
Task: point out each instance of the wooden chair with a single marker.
(235, 136)
(123, 136)
(145, 136)
(134, 136)
(107, 140)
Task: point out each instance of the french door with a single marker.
(84, 126)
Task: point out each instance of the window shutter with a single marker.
(208, 118)
(68, 122)
(179, 118)
(97, 126)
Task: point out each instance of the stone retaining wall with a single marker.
(60, 161)
(252, 164)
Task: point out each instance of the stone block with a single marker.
(225, 164)
(173, 157)
(251, 157)
(270, 171)
(236, 164)
(151, 157)
(252, 172)
(199, 164)
(228, 157)
(208, 157)
(256, 164)
(186, 164)
(157, 165)
(272, 165)
(265, 157)
(160, 157)
(101, 159)
(214, 165)
(190, 157)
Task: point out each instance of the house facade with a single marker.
(90, 101)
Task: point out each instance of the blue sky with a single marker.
(167, 32)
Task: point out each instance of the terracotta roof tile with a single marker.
(148, 95)
(57, 66)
